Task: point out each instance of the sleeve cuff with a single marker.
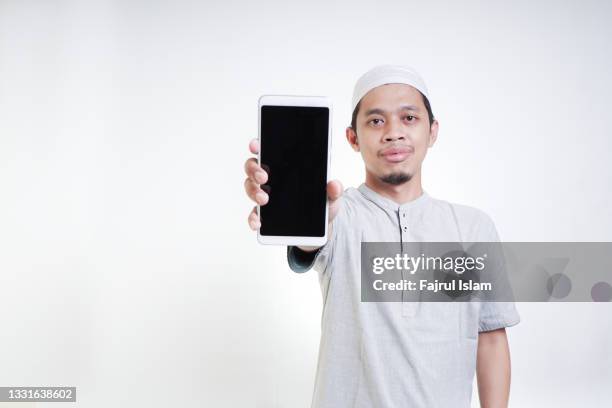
(300, 261)
(505, 317)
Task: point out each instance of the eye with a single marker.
(376, 121)
(410, 118)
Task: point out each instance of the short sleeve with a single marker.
(494, 315)
(497, 315)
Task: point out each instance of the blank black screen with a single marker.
(294, 153)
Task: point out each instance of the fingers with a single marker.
(334, 190)
(254, 146)
(254, 171)
(254, 222)
(255, 192)
(256, 176)
(252, 184)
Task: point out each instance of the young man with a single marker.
(406, 354)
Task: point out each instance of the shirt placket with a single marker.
(410, 299)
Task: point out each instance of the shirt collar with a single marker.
(389, 204)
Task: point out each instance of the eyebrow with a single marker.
(377, 111)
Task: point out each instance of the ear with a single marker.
(351, 137)
(433, 133)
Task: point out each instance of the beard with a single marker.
(396, 179)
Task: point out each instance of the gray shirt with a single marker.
(396, 354)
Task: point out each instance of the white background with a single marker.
(127, 267)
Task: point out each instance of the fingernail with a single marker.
(260, 176)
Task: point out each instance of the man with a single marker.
(407, 354)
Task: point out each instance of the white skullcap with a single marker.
(387, 74)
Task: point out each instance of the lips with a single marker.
(396, 154)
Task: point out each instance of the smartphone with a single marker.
(294, 149)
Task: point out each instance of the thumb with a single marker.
(334, 190)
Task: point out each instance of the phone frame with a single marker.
(296, 100)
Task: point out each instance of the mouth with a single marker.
(396, 154)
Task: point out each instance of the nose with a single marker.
(393, 137)
(396, 131)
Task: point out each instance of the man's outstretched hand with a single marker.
(256, 176)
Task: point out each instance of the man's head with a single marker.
(392, 123)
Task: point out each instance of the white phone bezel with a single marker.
(296, 100)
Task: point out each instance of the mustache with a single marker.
(397, 148)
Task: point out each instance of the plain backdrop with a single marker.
(127, 267)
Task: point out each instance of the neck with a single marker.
(402, 193)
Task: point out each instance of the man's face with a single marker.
(393, 132)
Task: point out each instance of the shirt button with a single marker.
(405, 228)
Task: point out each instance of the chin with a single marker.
(396, 178)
